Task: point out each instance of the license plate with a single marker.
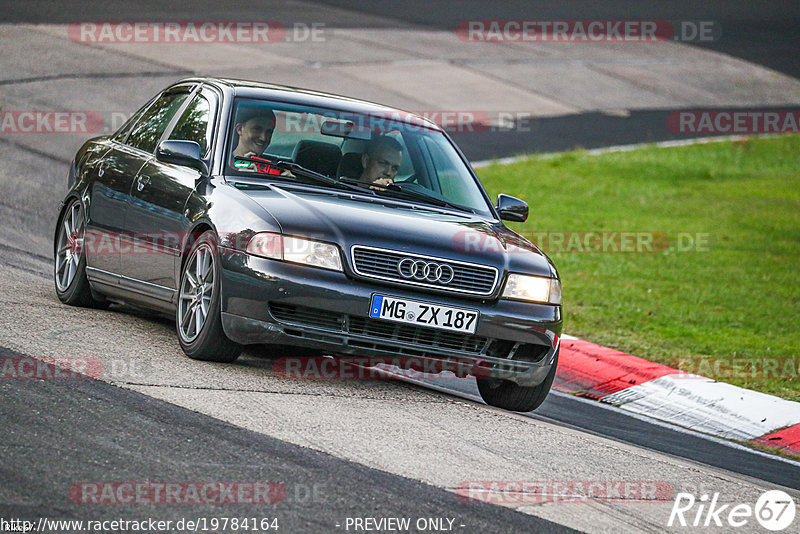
(424, 314)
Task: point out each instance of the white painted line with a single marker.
(708, 406)
(620, 148)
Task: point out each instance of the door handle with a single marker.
(142, 181)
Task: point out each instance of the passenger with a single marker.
(381, 160)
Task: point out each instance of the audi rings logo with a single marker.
(425, 271)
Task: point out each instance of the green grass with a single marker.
(736, 297)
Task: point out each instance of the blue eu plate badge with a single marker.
(375, 308)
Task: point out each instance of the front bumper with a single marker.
(267, 301)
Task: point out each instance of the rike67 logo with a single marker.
(774, 510)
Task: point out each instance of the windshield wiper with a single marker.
(421, 195)
(296, 168)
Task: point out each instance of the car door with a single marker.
(110, 193)
(110, 178)
(155, 215)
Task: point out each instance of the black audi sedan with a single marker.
(263, 214)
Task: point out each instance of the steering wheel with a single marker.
(409, 180)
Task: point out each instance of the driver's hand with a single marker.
(383, 181)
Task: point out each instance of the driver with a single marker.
(381, 160)
(254, 127)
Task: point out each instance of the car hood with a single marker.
(352, 219)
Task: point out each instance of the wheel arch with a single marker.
(64, 204)
(199, 228)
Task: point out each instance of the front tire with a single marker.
(513, 397)
(69, 268)
(198, 318)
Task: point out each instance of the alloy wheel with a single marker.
(69, 247)
(197, 291)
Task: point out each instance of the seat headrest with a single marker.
(318, 156)
(350, 166)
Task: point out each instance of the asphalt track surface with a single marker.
(60, 432)
(606, 421)
(763, 33)
(47, 448)
(55, 433)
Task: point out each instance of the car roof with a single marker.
(297, 95)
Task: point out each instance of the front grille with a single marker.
(383, 264)
(425, 340)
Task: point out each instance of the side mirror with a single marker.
(184, 153)
(512, 209)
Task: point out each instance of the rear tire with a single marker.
(69, 268)
(513, 397)
(198, 319)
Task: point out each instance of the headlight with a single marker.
(316, 253)
(266, 245)
(296, 250)
(533, 289)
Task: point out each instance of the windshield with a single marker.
(392, 155)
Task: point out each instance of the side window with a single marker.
(150, 128)
(125, 129)
(194, 124)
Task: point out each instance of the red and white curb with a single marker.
(691, 401)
